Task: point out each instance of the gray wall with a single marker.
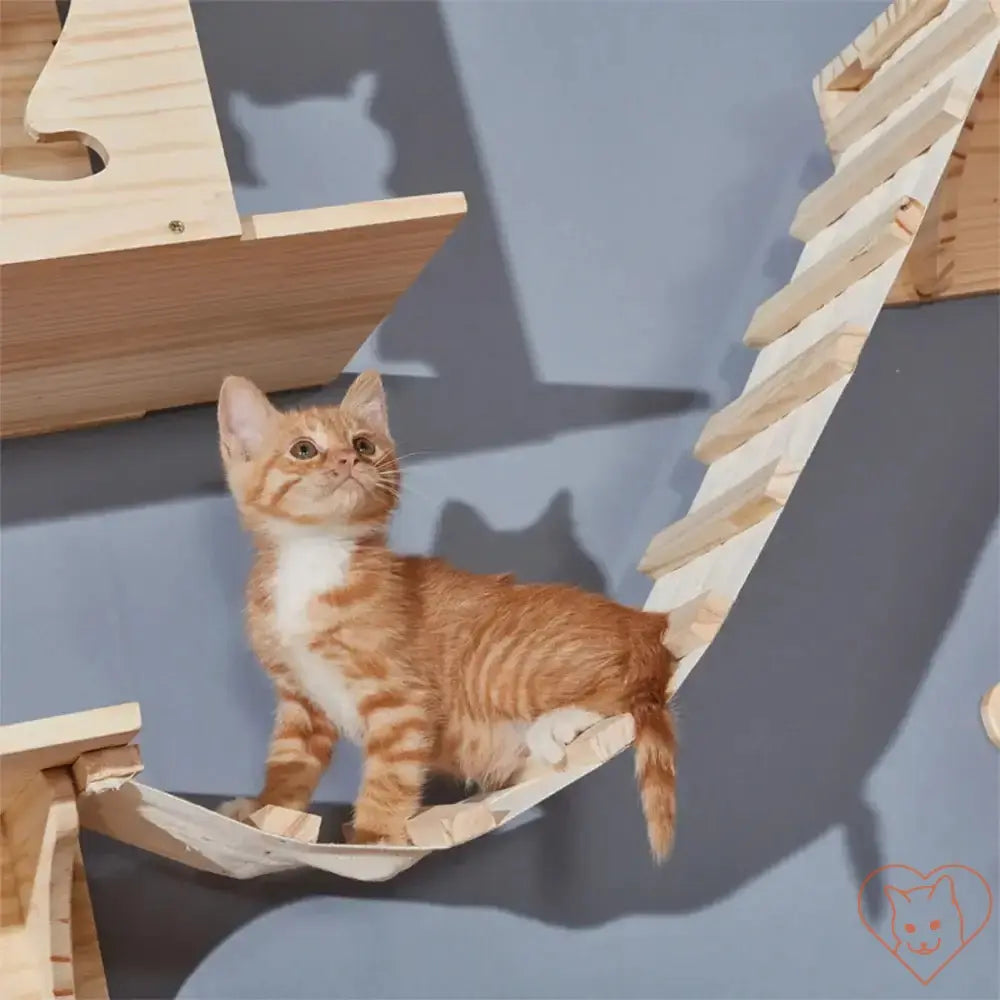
(631, 170)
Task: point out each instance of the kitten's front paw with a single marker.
(239, 809)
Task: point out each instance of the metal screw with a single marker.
(176, 226)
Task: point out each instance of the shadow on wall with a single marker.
(460, 318)
(783, 721)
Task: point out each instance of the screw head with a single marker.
(176, 226)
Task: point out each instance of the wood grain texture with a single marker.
(902, 77)
(942, 109)
(99, 770)
(88, 967)
(957, 249)
(199, 838)
(696, 622)
(807, 375)
(739, 508)
(726, 568)
(40, 840)
(856, 64)
(59, 740)
(859, 253)
(287, 304)
(158, 138)
(28, 30)
(291, 823)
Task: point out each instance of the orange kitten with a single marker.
(426, 667)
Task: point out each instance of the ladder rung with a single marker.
(859, 254)
(899, 81)
(696, 623)
(805, 376)
(943, 108)
(741, 507)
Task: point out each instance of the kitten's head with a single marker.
(329, 467)
(925, 917)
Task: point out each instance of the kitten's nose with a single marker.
(343, 461)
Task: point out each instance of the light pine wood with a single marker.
(28, 30)
(291, 823)
(445, 826)
(88, 967)
(901, 78)
(99, 770)
(160, 141)
(857, 63)
(696, 623)
(807, 375)
(163, 288)
(287, 305)
(739, 508)
(725, 568)
(59, 740)
(902, 20)
(942, 109)
(860, 253)
(957, 249)
(40, 840)
(989, 710)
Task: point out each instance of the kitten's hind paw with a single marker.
(239, 809)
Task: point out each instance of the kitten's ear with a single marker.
(944, 886)
(366, 398)
(245, 417)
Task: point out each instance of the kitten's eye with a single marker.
(909, 928)
(303, 449)
(363, 447)
(935, 925)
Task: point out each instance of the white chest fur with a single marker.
(307, 567)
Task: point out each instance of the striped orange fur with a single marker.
(427, 667)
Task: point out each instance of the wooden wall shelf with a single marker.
(139, 287)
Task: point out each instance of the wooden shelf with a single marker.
(140, 287)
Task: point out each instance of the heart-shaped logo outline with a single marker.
(925, 879)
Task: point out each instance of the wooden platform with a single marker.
(139, 287)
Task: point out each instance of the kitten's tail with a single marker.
(655, 747)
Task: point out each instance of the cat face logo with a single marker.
(930, 918)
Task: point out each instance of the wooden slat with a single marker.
(900, 80)
(902, 20)
(941, 110)
(718, 520)
(283, 822)
(858, 255)
(445, 826)
(805, 376)
(60, 739)
(856, 64)
(100, 770)
(696, 622)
